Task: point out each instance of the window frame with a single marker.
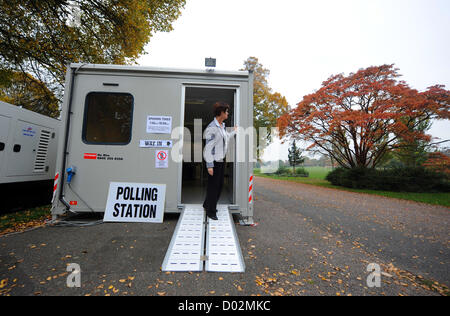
(85, 115)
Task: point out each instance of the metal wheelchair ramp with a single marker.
(223, 253)
(186, 248)
(193, 235)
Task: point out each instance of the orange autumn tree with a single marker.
(438, 162)
(357, 119)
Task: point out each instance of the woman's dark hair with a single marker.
(220, 107)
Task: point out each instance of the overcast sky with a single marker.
(303, 43)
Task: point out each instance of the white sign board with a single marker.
(155, 144)
(135, 202)
(161, 159)
(159, 124)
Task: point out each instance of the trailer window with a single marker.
(107, 118)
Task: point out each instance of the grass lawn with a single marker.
(317, 177)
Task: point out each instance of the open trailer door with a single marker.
(198, 113)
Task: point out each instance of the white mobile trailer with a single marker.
(105, 117)
(28, 143)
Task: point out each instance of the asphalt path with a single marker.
(308, 241)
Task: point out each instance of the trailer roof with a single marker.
(121, 68)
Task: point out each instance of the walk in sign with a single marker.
(135, 202)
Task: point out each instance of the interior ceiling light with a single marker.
(195, 101)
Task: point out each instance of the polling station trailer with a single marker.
(126, 128)
(28, 143)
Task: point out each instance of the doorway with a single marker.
(198, 113)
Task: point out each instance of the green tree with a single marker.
(28, 92)
(37, 37)
(268, 105)
(295, 155)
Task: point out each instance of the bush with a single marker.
(301, 172)
(397, 179)
(282, 170)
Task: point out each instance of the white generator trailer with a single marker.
(28, 144)
(109, 135)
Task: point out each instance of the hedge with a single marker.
(396, 179)
(286, 171)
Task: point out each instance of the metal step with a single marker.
(187, 248)
(223, 251)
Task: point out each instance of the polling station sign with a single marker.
(135, 202)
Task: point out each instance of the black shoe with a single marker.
(213, 217)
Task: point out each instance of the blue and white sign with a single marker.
(28, 132)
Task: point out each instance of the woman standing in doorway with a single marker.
(215, 150)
